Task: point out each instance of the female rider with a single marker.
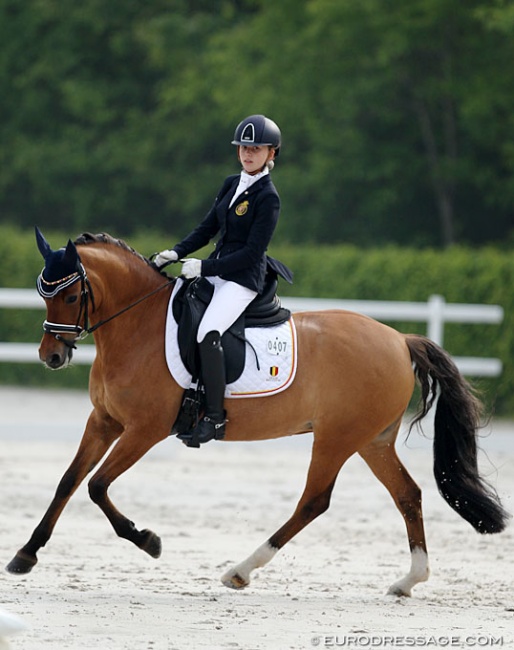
(245, 214)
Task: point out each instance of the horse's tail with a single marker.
(457, 419)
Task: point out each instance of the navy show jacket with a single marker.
(245, 231)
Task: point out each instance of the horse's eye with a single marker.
(70, 299)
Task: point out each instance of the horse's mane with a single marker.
(103, 238)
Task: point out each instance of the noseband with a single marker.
(51, 289)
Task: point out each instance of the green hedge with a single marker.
(483, 276)
(460, 275)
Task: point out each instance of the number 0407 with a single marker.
(277, 347)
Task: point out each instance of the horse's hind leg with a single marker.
(324, 468)
(383, 461)
(98, 436)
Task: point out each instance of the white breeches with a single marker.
(228, 302)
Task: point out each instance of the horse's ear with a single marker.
(70, 257)
(42, 244)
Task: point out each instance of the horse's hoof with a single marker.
(151, 543)
(397, 590)
(234, 581)
(21, 563)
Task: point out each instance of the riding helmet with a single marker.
(258, 130)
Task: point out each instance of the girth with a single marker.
(189, 305)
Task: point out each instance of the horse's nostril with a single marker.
(54, 361)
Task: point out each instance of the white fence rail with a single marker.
(435, 313)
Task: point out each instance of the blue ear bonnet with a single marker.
(58, 266)
(62, 267)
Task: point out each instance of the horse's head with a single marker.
(63, 285)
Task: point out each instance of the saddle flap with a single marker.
(189, 306)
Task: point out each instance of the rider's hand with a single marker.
(192, 268)
(165, 257)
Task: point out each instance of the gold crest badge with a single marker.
(242, 208)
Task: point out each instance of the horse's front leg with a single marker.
(127, 451)
(98, 436)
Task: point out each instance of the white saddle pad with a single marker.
(270, 372)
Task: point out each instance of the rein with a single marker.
(57, 329)
(88, 330)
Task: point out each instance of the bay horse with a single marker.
(355, 378)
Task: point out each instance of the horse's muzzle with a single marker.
(57, 353)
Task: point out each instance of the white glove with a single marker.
(165, 257)
(192, 268)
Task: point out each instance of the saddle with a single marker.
(189, 306)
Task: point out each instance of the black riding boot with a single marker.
(212, 362)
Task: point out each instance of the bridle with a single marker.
(86, 298)
(51, 289)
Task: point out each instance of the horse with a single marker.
(354, 381)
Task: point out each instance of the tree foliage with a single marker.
(396, 116)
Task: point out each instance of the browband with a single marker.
(51, 289)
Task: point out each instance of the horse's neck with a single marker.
(120, 284)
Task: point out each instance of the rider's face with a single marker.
(253, 158)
